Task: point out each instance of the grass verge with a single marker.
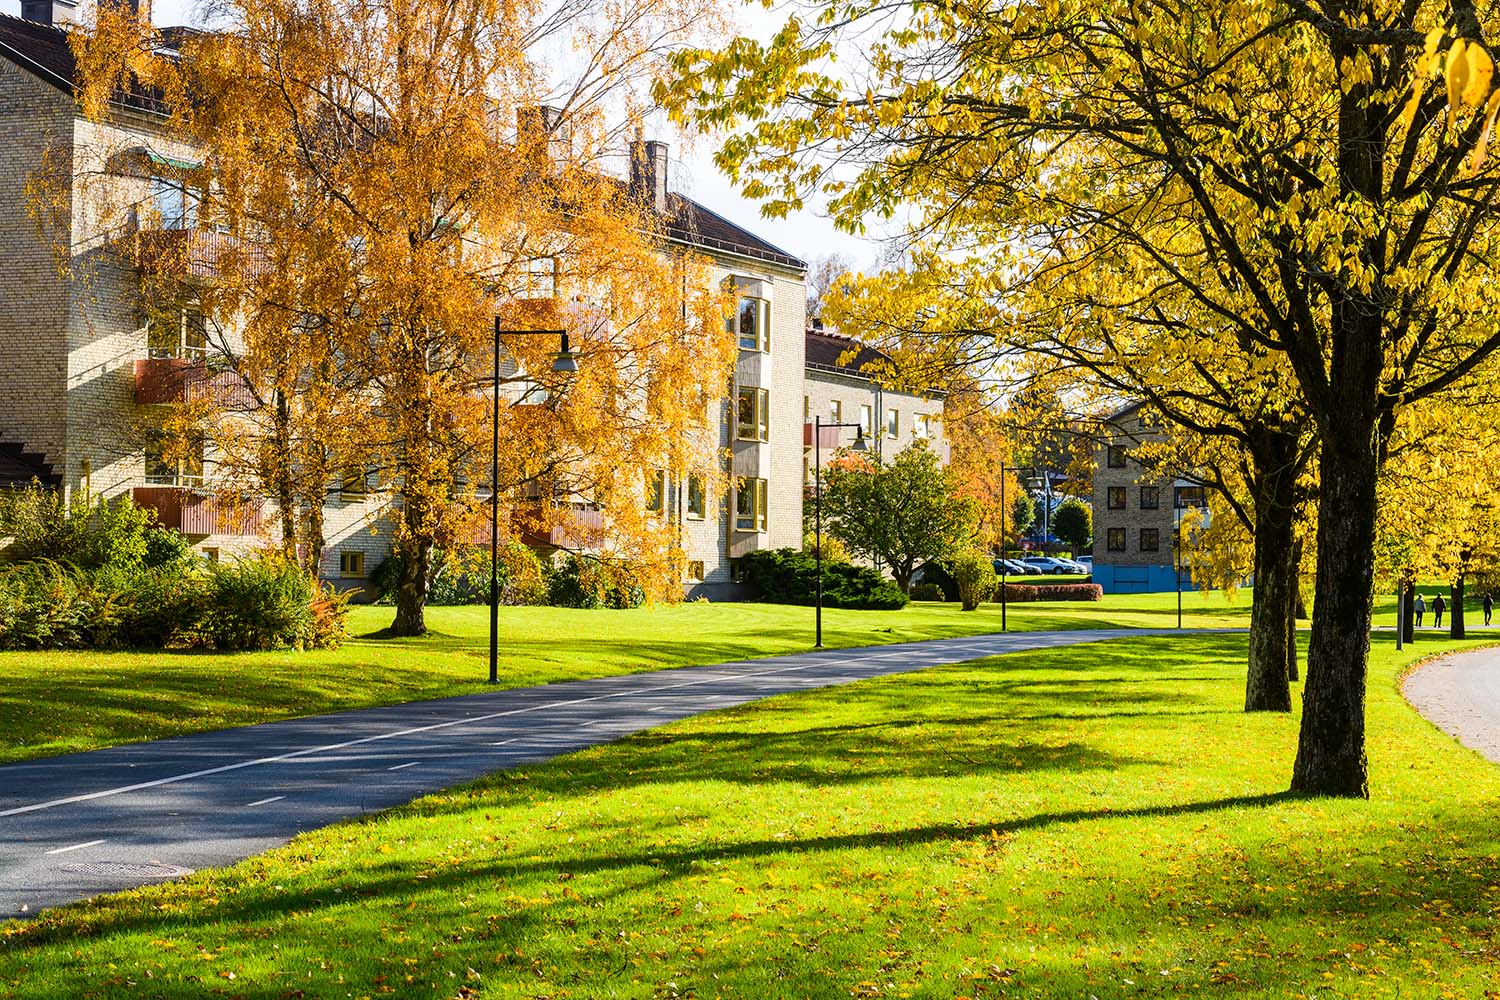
(57, 702)
(1098, 821)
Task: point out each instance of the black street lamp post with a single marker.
(566, 363)
(859, 445)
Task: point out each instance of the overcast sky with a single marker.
(806, 234)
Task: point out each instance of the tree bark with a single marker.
(1267, 687)
(281, 473)
(1299, 606)
(1456, 608)
(1292, 674)
(411, 592)
(1331, 745)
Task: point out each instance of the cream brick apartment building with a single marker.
(89, 376)
(1136, 510)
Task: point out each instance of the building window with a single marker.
(541, 278)
(656, 491)
(354, 484)
(695, 571)
(1188, 496)
(1117, 456)
(750, 505)
(807, 409)
(211, 555)
(754, 324)
(1150, 497)
(175, 203)
(697, 499)
(867, 419)
(352, 565)
(892, 423)
(836, 411)
(754, 408)
(176, 333)
(1150, 539)
(1116, 498)
(736, 571)
(174, 462)
(1115, 540)
(922, 426)
(807, 469)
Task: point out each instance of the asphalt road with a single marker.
(1460, 694)
(78, 825)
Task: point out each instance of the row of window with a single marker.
(656, 495)
(750, 506)
(1147, 540)
(923, 424)
(1150, 497)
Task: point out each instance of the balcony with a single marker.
(195, 513)
(189, 380)
(179, 253)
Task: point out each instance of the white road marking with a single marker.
(657, 708)
(75, 847)
(1094, 636)
(410, 763)
(513, 739)
(263, 802)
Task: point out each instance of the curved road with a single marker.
(1460, 694)
(77, 825)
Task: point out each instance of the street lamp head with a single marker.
(566, 362)
(859, 440)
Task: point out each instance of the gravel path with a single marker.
(1460, 694)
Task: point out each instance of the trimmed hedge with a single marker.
(1020, 593)
(925, 591)
(789, 576)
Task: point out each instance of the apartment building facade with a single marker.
(94, 374)
(1137, 511)
(840, 387)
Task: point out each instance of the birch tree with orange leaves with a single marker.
(383, 178)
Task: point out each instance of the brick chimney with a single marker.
(648, 174)
(541, 135)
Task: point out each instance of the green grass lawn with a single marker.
(1097, 821)
(56, 702)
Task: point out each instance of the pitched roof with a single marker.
(825, 349)
(40, 48)
(701, 226)
(43, 50)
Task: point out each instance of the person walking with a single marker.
(1420, 607)
(1489, 606)
(1438, 604)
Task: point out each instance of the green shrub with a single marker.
(263, 602)
(927, 592)
(588, 582)
(87, 533)
(789, 576)
(975, 574)
(166, 608)
(523, 575)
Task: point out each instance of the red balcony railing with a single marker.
(194, 513)
(189, 380)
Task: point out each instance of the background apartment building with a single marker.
(93, 373)
(1136, 511)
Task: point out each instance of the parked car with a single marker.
(1014, 567)
(1047, 564)
(1087, 562)
(1073, 565)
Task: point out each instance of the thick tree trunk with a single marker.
(1456, 609)
(1266, 683)
(312, 549)
(411, 592)
(1331, 745)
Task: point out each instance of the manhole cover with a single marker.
(126, 869)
